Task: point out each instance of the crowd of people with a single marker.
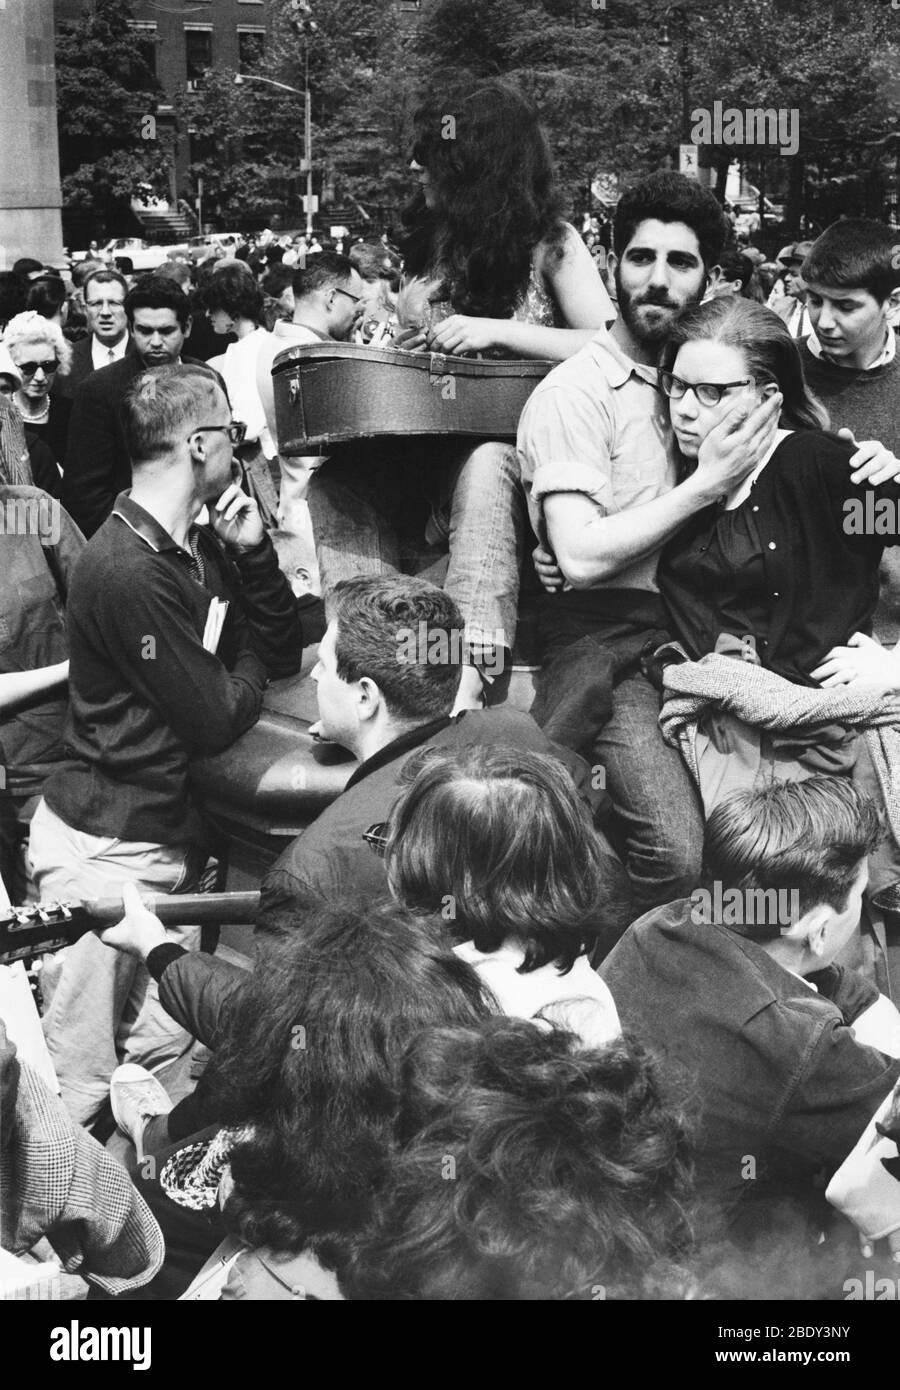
(592, 1001)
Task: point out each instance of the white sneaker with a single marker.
(135, 1096)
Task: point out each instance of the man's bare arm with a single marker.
(591, 547)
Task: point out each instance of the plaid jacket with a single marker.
(57, 1181)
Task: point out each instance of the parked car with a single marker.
(142, 255)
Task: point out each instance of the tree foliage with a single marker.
(611, 83)
(107, 100)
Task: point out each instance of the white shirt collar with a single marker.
(100, 352)
(888, 352)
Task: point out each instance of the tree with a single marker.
(107, 102)
(362, 80)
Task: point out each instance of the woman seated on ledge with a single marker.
(511, 279)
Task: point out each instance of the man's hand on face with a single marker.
(236, 520)
(735, 446)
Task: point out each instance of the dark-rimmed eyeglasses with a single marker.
(357, 298)
(377, 837)
(707, 392)
(236, 431)
(28, 369)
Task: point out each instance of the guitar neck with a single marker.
(41, 927)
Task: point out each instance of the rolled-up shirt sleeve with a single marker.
(564, 445)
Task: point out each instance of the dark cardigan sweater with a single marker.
(822, 579)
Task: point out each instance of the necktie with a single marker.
(112, 355)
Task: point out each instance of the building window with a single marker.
(145, 41)
(198, 55)
(409, 4)
(251, 47)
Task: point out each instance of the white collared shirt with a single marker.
(887, 354)
(102, 355)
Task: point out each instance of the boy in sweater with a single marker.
(852, 275)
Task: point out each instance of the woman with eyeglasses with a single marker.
(778, 573)
(775, 564)
(39, 351)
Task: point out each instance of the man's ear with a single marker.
(713, 279)
(188, 326)
(369, 699)
(814, 926)
(893, 301)
(612, 262)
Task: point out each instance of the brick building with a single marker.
(182, 39)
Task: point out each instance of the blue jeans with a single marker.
(101, 1006)
(407, 503)
(654, 798)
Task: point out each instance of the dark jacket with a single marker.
(97, 466)
(778, 1076)
(82, 366)
(331, 858)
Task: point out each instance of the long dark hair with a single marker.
(310, 1061)
(490, 164)
(769, 349)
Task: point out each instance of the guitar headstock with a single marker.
(34, 928)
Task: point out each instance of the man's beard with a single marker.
(630, 305)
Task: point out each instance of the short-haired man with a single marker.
(738, 985)
(329, 299)
(97, 466)
(852, 278)
(174, 630)
(103, 295)
(387, 678)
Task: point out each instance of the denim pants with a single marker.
(593, 696)
(406, 503)
(101, 1006)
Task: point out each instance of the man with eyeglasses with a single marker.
(104, 293)
(601, 469)
(174, 630)
(329, 301)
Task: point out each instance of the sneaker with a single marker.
(135, 1096)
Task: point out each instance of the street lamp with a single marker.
(241, 78)
(680, 15)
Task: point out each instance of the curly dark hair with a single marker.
(531, 1169)
(310, 1060)
(493, 175)
(670, 197)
